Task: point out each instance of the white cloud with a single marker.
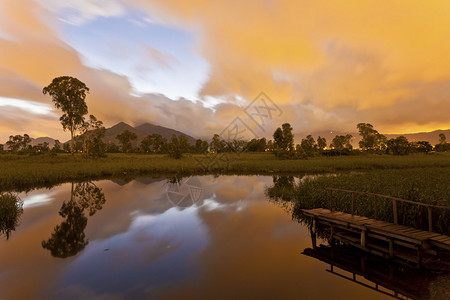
(78, 12)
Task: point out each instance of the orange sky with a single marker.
(328, 65)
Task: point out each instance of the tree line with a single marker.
(371, 142)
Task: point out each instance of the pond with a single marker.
(202, 237)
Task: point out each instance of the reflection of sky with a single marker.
(37, 199)
(231, 242)
(154, 57)
(156, 250)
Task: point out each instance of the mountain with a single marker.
(432, 137)
(142, 131)
(41, 140)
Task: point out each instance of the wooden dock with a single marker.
(385, 239)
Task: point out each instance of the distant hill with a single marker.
(432, 137)
(41, 140)
(142, 131)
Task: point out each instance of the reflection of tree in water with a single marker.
(68, 238)
(283, 188)
(10, 212)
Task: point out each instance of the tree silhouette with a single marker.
(69, 94)
(125, 139)
(68, 238)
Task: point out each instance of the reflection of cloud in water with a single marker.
(38, 199)
(160, 248)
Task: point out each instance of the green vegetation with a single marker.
(24, 171)
(425, 185)
(10, 212)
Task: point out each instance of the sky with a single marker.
(198, 66)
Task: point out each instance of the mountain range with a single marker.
(142, 131)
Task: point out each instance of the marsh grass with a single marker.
(423, 185)
(19, 172)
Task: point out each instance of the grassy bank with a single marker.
(22, 171)
(426, 185)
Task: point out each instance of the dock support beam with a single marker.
(394, 210)
(391, 248)
(363, 238)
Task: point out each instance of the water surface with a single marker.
(206, 237)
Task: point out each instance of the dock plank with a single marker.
(379, 227)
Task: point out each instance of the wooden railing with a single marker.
(394, 204)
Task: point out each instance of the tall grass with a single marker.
(424, 185)
(22, 171)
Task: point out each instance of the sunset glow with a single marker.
(195, 65)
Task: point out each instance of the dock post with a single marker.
(430, 219)
(363, 238)
(391, 248)
(419, 256)
(394, 209)
(331, 200)
(353, 203)
(375, 207)
(313, 233)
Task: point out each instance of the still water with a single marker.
(202, 238)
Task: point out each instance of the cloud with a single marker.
(328, 55)
(328, 66)
(78, 12)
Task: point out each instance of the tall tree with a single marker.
(69, 94)
(93, 133)
(371, 138)
(18, 142)
(177, 146)
(442, 138)
(217, 145)
(399, 146)
(321, 142)
(125, 139)
(309, 145)
(341, 142)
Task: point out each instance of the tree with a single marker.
(69, 94)
(125, 139)
(321, 143)
(153, 143)
(42, 147)
(201, 146)
(18, 142)
(442, 139)
(146, 144)
(283, 146)
(69, 238)
(159, 143)
(93, 133)
(342, 142)
(257, 145)
(423, 146)
(399, 146)
(57, 146)
(371, 139)
(178, 146)
(217, 145)
(309, 145)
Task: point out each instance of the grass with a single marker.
(427, 185)
(21, 172)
